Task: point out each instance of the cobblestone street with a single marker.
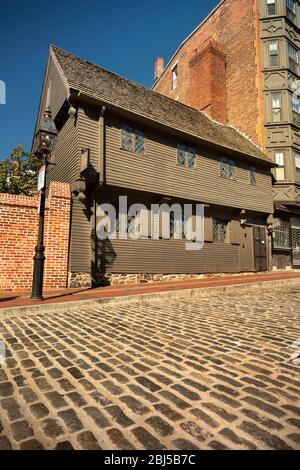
(199, 373)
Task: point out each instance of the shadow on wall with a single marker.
(105, 256)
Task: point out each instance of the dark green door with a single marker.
(260, 248)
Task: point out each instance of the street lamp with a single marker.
(45, 138)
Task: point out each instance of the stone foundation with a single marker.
(123, 279)
(79, 280)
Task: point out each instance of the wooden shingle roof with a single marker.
(113, 89)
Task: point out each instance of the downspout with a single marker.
(101, 124)
(101, 160)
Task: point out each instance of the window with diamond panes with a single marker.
(126, 140)
(281, 232)
(295, 239)
(253, 175)
(133, 224)
(139, 142)
(186, 156)
(176, 227)
(224, 168)
(227, 168)
(219, 230)
(133, 140)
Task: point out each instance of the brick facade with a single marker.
(235, 26)
(18, 236)
(208, 80)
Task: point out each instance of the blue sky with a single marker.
(124, 37)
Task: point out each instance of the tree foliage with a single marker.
(18, 174)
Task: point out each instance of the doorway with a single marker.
(260, 248)
(246, 249)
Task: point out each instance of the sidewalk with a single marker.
(16, 300)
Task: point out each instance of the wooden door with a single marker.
(260, 248)
(246, 249)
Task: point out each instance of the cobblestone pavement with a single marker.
(206, 373)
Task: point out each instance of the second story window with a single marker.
(291, 8)
(219, 230)
(295, 104)
(276, 106)
(279, 170)
(186, 156)
(271, 7)
(293, 58)
(174, 77)
(133, 140)
(252, 174)
(274, 53)
(297, 164)
(227, 169)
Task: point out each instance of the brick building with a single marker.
(240, 66)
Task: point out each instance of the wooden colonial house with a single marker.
(119, 138)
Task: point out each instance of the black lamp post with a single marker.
(46, 139)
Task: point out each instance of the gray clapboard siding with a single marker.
(157, 172)
(166, 256)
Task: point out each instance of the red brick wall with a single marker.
(18, 236)
(234, 25)
(208, 80)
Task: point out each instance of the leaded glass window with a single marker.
(186, 156)
(181, 157)
(253, 175)
(133, 140)
(126, 138)
(176, 227)
(223, 168)
(231, 169)
(219, 230)
(191, 158)
(139, 142)
(281, 232)
(227, 168)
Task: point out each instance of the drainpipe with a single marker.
(101, 125)
(101, 146)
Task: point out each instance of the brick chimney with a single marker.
(158, 67)
(208, 80)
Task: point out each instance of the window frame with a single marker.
(253, 175)
(135, 133)
(292, 10)
(271, 2)
(276, 108)
(272, 54)
(219, 222)
(174, 71)
(186, 151)
(297, 165)
(294, 99)
(280, 165)
(227, 169)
